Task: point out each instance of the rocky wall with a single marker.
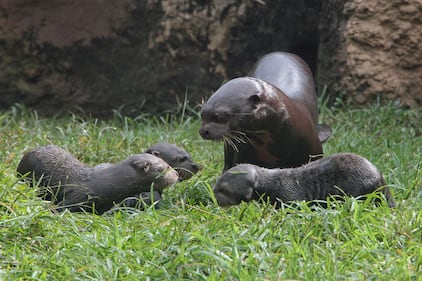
(372, 49)
(137, 55)
(147, 56)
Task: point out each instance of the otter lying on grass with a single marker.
(343, 174)
(178, 158)
(73, 185)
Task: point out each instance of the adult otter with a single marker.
(268, 119)
(71, 184)
(337, 175)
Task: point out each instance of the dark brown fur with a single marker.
(343, 174)
(269, 119)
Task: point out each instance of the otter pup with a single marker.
(268, 119)
(73, 185)
(337, 175)
(178, 158)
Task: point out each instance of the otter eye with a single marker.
(182, 159)
(224, 191)
(223, 188)
(220, 116)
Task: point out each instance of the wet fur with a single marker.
(269, 118)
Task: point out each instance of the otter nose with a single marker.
(205, 133)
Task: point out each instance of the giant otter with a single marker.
(268, 119)
(73, 185)
(178, 158)
(337, 175)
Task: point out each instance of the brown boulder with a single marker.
(372, 49)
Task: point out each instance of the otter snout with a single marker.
(213, 131)
(205, 133)
(168, 177)
(172, 175)
(187, 171)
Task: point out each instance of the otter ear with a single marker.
(254, 98)
(141, 165)
(181, 159)
(146, 167)
(262, 110)
(155, 153)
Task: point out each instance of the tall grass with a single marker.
(190, 237)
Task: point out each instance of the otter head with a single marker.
(241, 105)
(176, 157)
(152, 170)
(236, 185)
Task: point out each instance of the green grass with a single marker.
(191, 238)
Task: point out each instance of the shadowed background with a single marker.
(143, 56)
